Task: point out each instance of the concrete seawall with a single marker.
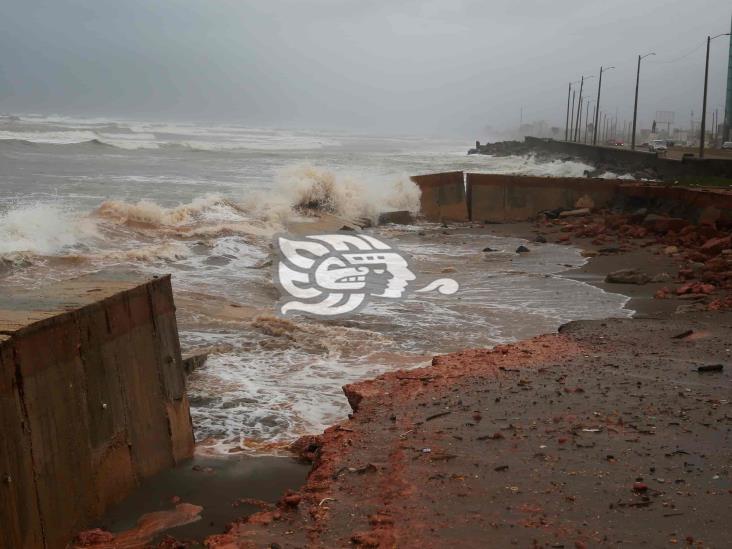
(502, 198)
(443, 196)
(668, 169)
(92, 400)
(494, 198)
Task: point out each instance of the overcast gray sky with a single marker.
(406, 66)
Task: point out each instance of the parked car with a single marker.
(615, 142)
(727, 145)
(657, 145)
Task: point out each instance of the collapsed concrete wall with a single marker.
(697, 205)
(496, 198)
(92, 400)
(443, 196)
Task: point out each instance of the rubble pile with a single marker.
(703, 251)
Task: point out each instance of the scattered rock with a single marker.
(663, 293)
(671, 250)
(662, 278)
(488, 249)
(575, 213)
(292, 500)
(552, 214)
(522, 250)
(609, 250)
(193, 361)
(695, 288)
(627, 276)
(661, 224)
(401, 217)
(710, 368)
(713, 246)
(541, 239)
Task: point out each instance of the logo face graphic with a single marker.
(331, 275)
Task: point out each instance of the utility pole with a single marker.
(566, 128)
(704, 108)
(571, 121)
(597, 110)
(706, 86)
(578, 136)
(579, 108)
(635, 108)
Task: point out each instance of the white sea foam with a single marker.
(43, 229)
(50, 137)
(59, 130)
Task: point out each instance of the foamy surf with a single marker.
(43, 229)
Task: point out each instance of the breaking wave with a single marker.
(299, 191)
(147, 212)
(309, 190)
(43, 229)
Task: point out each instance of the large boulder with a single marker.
(401, 217)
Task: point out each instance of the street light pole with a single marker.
(704, 107)
(706, 86)
(635, 108)
(579, 108)
(599, 89)
(571, 119)
(566, 128)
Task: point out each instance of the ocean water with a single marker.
(203, 202)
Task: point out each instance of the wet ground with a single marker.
(224, 487)
(605, 434)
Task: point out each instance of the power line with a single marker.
(684, 56)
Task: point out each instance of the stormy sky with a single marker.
(403, 66)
